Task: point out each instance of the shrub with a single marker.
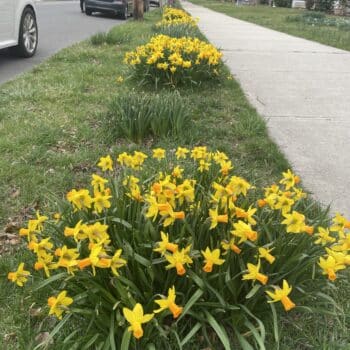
(283, 3)
(324, 5)
(136, 116)
(171, 61)
(166, 251)
(313, 16)
(309, 4)
(320, 19)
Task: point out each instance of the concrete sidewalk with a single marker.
(302, 88)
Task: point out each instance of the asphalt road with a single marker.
(61, 24)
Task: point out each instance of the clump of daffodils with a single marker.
(165, 237)
(169, 60)
(173, 16)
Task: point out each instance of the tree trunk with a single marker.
(138, 10)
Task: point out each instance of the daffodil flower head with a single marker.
(282, 296)
(59, 304)
(178, 259)
(169, 303)
(254, 273)
(136, 318)
(20, 277)
(164, 245)
(211, 258)
(159, 153)
(106, 163)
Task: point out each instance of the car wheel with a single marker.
(28, 34)
(88, 12)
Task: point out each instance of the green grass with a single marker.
(51, 138)
(277, 19)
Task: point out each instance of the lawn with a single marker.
(51, 137)
(282, 19)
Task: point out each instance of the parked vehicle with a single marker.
(18, 27)
(155, 2)
(121, 8)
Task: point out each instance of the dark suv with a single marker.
(122, 8)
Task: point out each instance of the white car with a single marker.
(18, 26)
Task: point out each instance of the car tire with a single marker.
(28, 35)
(88, 11)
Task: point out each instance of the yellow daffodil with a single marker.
(59, 304)
(340, 223)
(77, 232)
(295, 222)
(98, 183)
(177, 172)
(67, 258)
(164, 245)
(101, 201)
(117, 262)
(265, 254)
(246, 214)
(199, 152)
(215, 218)
(125, 159)
(343, 244)
(219, 157)
(169, 303)
(178, 259)
(230, 246)
(136, 318)
(254, 274)
(330, 267)
(244, 232)
(45, 262)
(238, 185)
(289, 179)
(97, 258)
(203, 165)
(32, 229)
(225, 167)
(20, 277)
(324, 237)
(169, 215)
(159, 153)
(81, 199)
(284, 203)
(97, 233)
(282, 296)
(106, 163)
(38, 247)
(181, 153)
(341, 258)
(185, 192)
(211, 258)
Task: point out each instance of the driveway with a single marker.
(302, 89)
(61, 24)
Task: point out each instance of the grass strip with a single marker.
(51, 137)
(279, 19)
